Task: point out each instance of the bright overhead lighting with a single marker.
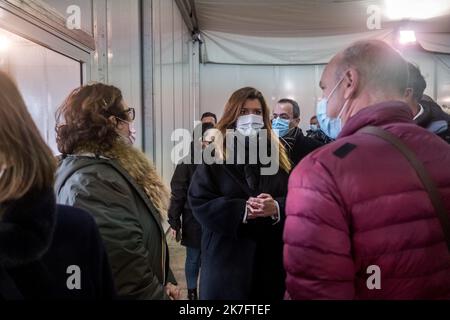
(416, 9)
(5, 43)
(407, 37)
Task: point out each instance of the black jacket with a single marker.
(239, 261)
(319, 136)
(298, 146)
(180, 213)
(39, 241)
(434, 119)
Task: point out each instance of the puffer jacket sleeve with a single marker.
(111, 205)
(317, 251)
(214, 211)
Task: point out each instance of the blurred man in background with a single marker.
(427, 113)
(285, 121)
(209, 117)
(315, 133)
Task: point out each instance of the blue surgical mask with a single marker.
(280, 126)
(332, 127)
(250, 125)
(314, 127)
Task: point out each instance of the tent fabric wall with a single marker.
(275, 82)
(44, 78)
(115, 25)
(316, 18)
(435, 42)
(290, 32)
(228, 48)
(302, 82)
(171, 65)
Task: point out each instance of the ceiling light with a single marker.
(5, 43)
(407, 37)
(416, 9)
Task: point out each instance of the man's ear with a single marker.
(352, 81)
(295, 123)
(408, 97)
(408, 93)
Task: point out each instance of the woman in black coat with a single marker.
(46, 251)
(241, 210)
(181, 220)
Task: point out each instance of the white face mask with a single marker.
(131, 138)
(250, 125)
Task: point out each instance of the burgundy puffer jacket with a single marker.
(358, 203)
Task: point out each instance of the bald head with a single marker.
(366, 73)
(381, 68)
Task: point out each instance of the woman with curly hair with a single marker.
(104, 174)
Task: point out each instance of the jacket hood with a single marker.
(378, 115)
(26, 228)
(133, 161)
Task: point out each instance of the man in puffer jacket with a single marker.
(360, 224)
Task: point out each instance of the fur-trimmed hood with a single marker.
(139, 167)
(26, 228)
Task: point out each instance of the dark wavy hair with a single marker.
(84, 118)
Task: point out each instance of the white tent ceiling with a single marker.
(311, 18)
(310, 31)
